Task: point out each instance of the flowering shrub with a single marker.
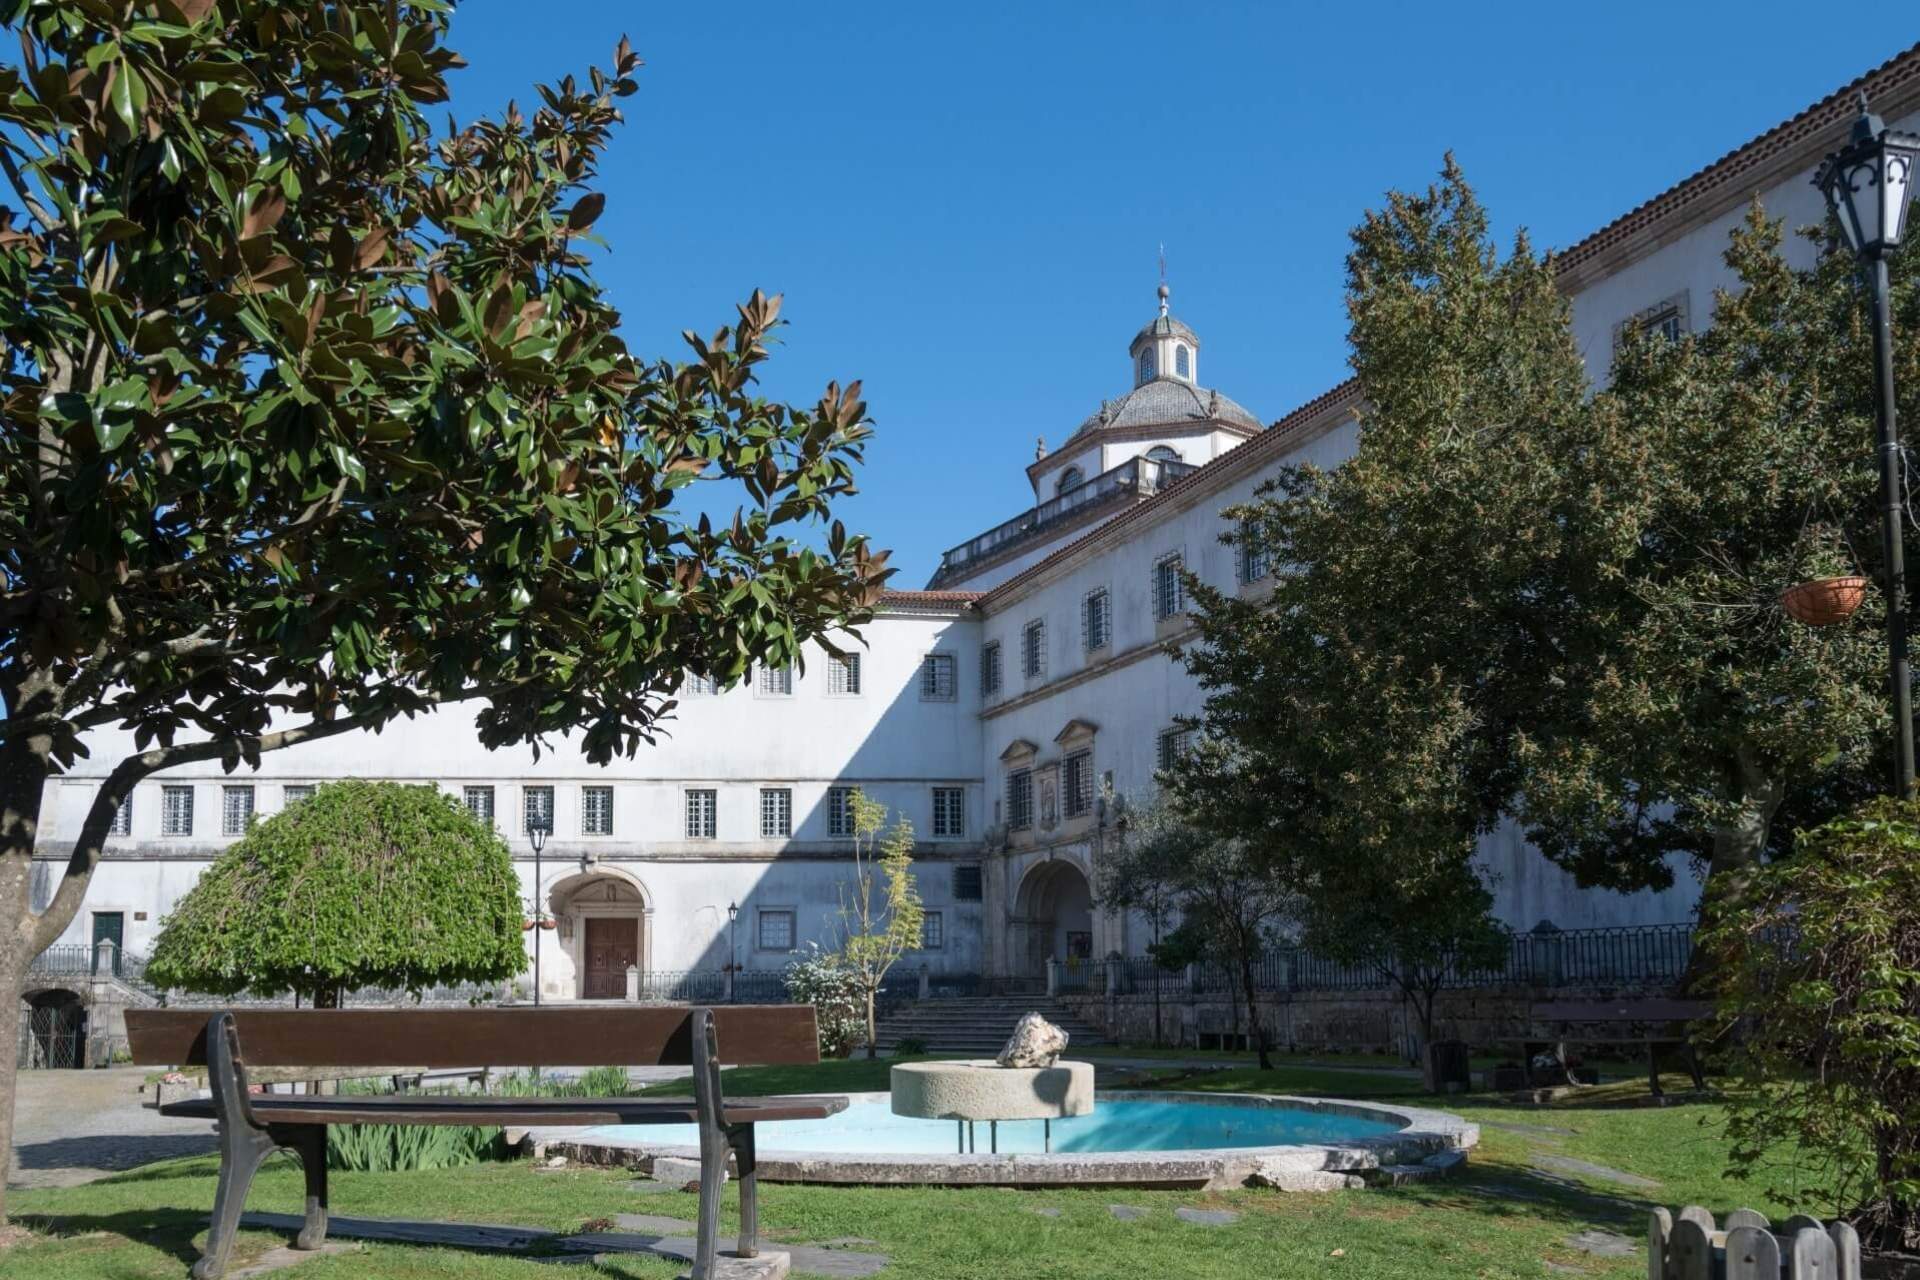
(825, 982)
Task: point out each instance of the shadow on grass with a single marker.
(171, 1231)
(1507, 1191)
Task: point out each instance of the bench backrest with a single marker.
(553, 1036)
(1650, 1009)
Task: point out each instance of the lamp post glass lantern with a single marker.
(537, 836)
(1869, 187)
(733, 948)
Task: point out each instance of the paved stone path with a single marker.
(1567, 1164)
(1207, 1217)
(71, 1127)
(1126, 1212)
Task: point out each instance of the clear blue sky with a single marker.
(961, 203)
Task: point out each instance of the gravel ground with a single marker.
(74, 1126)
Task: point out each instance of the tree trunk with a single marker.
(872, 1050)
(1254, 1031)
(1423, 1003)
(12, 981)
(1737, 849)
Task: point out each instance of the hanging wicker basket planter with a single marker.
(548, 924)
(1824, 601)
(526, 926)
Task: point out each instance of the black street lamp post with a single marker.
(1869, 186)
(537, 835)
(733, 950)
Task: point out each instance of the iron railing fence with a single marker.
(1141, 476)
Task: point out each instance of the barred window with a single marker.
(294, 792)
(699, 686)
(176, 811)
(1020, 799)
(536, 809)
(776, 931)
(776, 682)
(1169, 592)
(1174, 744)
(843, 674)
(990, 669)
(123, 817)
(236, 810)
(967, 884)
(776, 812)
(1033, 649)
(702, 811)
(596, 811)
(1255, 561)
(937, 683)
(839, 811)
(933, 931)
(480, 803)
(1077, 784)
(949, 811)
(1096, 620)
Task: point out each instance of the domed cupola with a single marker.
(1165, 348)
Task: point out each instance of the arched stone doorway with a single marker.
(1053, 917)
(605, 923)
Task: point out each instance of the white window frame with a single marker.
(1252, 558)
(931, 683)
(949, 812)
(938, 923)
(1182, 361)
(1170, 601)
(1097, 602)
(992, 669)
(702, 809)
(1020, 815)
(776, 813)
(695, 685)
(1146, 368)
(760, 920)
(1076, 795)
(1172, 745)
(773, 681)
(122, 824)
(527, 807)
(294, 792)
(843, 676)
(169, 795)
(484, 796)
(840, 812)
(590, 795)
(230, 792)
(1033, 656)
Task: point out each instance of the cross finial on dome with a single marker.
(1164, 291)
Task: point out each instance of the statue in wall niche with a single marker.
(1035, 1043)
(1049, 804)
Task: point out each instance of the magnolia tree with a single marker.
(880, 910)
(363, 884)
(315, 418)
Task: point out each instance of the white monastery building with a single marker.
(1002, 710)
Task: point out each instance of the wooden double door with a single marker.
(612, 946)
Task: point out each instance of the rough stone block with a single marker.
(677, 1171)
(1445, 1161)
(768, 1266)
(1317, 1180)
(1401, 1175)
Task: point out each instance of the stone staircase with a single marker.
(978, 1026)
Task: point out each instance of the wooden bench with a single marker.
(253, 1125)
(1654, 1023)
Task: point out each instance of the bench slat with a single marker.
(1652, 1010)
(518, 1113)
(553, 1036)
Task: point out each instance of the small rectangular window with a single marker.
(1077, 784)
(236, 810)
(1096, 620)
(937, 683)
(1169, 591)
(536, 809)
(1020, 799)
(1255, 563)
(1033, 649)
(1174, 744)
(990, 669)
(843, 675)
(123, 818)
(699, 686)
(839, 811)
(596, 811)
(933, 931)
(775, 682)
(967, 884)
(776, 812)
(702, 813)
(176, 811)
(776, 931)
(949, 811)
(480, 803)
(294, 792)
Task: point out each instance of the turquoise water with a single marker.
(871, 1128)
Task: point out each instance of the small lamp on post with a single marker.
(537, 836)
(733, 948)
(1869, 187)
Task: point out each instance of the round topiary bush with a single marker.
(363, 884)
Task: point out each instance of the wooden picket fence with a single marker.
(1690, 1246)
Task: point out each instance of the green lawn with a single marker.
(1504, 1218)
